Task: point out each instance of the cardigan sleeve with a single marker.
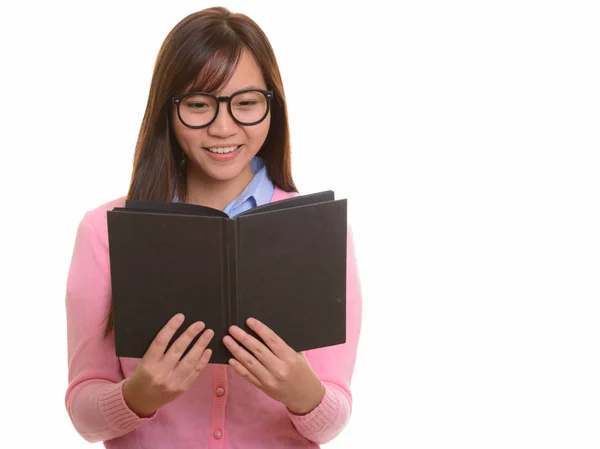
(94, 397)
(334, 365)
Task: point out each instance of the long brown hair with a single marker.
(201, 53)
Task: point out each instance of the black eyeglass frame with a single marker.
(267, 93)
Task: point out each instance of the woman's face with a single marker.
(223, 150)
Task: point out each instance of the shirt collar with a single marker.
(257, 190)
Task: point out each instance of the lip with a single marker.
(223, 146)
(223, 157)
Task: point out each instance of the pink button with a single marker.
(218, 434)
(220, 391)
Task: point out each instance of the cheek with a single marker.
(178, 132)
(185, 136)
(258, 133)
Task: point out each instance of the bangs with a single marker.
(216, 72)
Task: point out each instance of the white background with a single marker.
(465, 136)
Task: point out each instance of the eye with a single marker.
(248, 100)
(243, 103)
(196, 105)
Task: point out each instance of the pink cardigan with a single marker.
(221, 409)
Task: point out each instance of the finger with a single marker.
(257, 348)
(243, 371)
(247, 359)
(198, 367)
(192, 358)
(177, 349)
(203, 360)
(159, 344)
(273, 341)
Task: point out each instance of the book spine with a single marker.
(232, 272)
(225, 276)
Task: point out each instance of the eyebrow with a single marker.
(251, 86)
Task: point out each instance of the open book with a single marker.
(283, 263)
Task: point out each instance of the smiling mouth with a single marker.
(223, 150)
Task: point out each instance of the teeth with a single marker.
(222, 150)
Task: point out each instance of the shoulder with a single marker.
(94, 220)
(279, 194)
(97, 215)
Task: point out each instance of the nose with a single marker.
(224, 125)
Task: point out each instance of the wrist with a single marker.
(134, 400)
(309, 402)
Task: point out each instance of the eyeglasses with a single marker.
(248, 107)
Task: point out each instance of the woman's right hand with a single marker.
(161, 377)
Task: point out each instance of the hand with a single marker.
(282, 373)
(162, 377)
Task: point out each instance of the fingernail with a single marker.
(251, 321)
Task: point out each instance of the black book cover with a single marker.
(283, 263)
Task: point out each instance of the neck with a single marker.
(206, 191)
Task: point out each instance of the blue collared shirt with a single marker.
(258, 192)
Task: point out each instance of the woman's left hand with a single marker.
(278, 370)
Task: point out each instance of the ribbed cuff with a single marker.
(317, 420)
(115, 410)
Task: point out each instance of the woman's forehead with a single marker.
(224, 77)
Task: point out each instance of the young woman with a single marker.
(214, 133)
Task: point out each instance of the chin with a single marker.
(224, 173)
